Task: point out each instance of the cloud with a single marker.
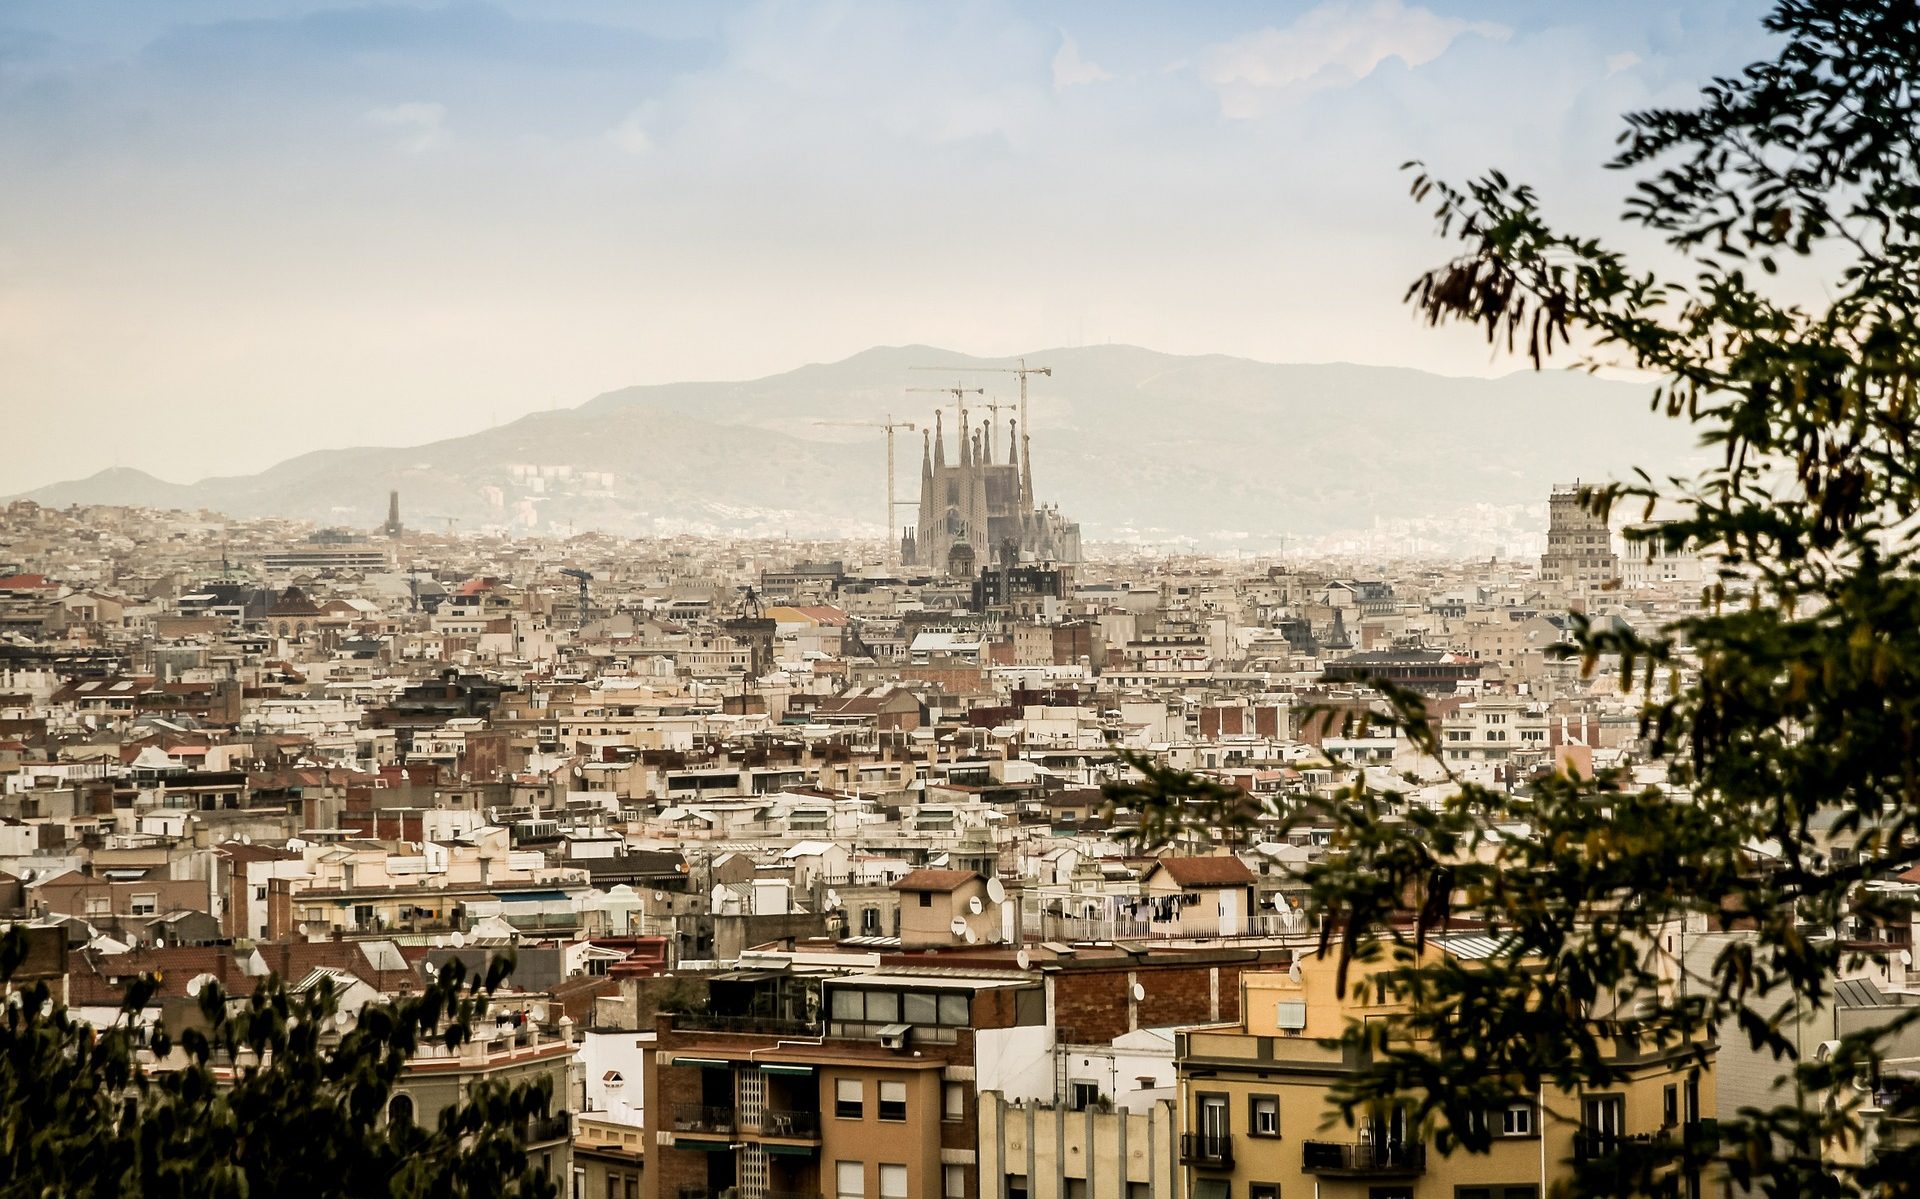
(421, 124)
(632, 133)
(1626, 60)
(1333, 45)
(1070, 70)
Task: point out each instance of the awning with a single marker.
(709, 1063)
(531, 896)
(776, 1149)
(719, 1146)
(1210, 1188)
(796, 1071)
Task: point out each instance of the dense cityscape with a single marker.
(1048, 600)
(802, 851)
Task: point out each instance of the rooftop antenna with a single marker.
(892, 548)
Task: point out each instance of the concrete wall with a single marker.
(1091, 1153)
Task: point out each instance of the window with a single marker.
(953, 1183)
(926, 899)
(1263, 1116)
(1263, 1190)
(1670, 1106)
(1082, 1095)
(893, 1182)
(893, 1102)
(850, 1180)
(849, 1099)
(144, 905)
(953, 1101)
(1016, 1186)
(1214, 1126)
(1517, 1120)
(400, 1110)
(1605, 1120)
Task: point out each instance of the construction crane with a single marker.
(1023, 370)
(584, 577)
(889, 424)
(959, 395)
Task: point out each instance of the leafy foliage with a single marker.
(264, 1097)
(1787, 710)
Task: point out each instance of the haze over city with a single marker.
(234, 232)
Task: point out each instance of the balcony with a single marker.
(790, 1125)
(556, 1127)
(1694, 1136)
(1209, 1150)
(698, 1118)
(1364, 1159)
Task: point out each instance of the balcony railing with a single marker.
(714, 1022)
(776, 1122)
(1697, 1136)
(694, 1117)
(556, 1127)
(1363, 1157)
(1213, 1149)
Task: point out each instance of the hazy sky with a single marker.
(232, 231)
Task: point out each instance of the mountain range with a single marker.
(1131, 442)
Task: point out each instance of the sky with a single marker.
(235, 231)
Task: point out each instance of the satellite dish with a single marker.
(958, 926)
(1138, 992)
(1906, 957)
(246, 839)
(833, 898)
(996, 891)
(972, 937)
(1023, 959)
(974, 905)
(458, 939)
(439, 942)
(1293, 970)
(342, 1019)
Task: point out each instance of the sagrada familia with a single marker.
(978, 512)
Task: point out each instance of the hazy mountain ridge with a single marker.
(1124, 439)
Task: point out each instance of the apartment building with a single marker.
(1256, 1122)
(857, 1086)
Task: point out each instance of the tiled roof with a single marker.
(1221, 871)
(936, 880)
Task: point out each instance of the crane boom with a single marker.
(890, 547)
(1023, 370)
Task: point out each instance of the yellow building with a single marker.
(1257, 1121)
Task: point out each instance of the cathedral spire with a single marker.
(1019, 476)
(1026, 467)
(939, 440)
(986, 442)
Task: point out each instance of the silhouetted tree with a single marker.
(1789, 702)
(268, 1099)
